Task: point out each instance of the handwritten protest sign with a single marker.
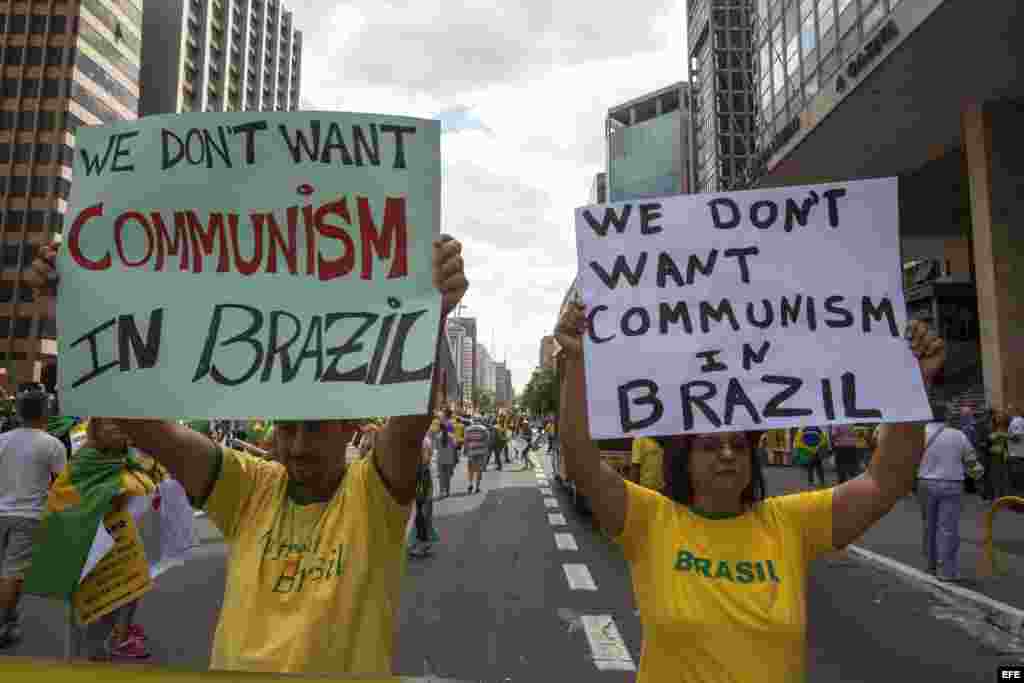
(248, 265)
(749, 310)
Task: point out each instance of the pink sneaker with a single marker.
(131, 648)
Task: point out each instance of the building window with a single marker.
(14, 55)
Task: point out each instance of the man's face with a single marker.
(313, 451)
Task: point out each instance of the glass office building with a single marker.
(649, 145)
(800, 47)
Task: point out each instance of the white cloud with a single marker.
(527, 85)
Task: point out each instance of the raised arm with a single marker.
(399, 445)
(597, 480)
(859, 503)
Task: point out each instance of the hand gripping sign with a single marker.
(749, 310)
(246, 264)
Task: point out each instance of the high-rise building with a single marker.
(547, 352)
(65, 64)
(722, 80)
(649, 150)
(220, 55)
(468, 373)
(485, 368)
(503, 385)
(599, 189)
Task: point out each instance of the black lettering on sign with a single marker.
(872, 312)
(115, 150)
(636, 330)
(792, 386)
(621, 269)
(674, 314)
(769, 315)
(352, 345)
(650, 398)
(799, 212)
(610, 218)
(736, 396)
(129, 343)
(248, 336)
(731, 219)
(741, 256)
(592, 329)
(850, 408)
(249, 130)
(691, 399)
(394, 373)
(666, 269)
(648, 214)
(750, 356)
(832, 305)
(709, 313)
(762, 219)
(711, 363)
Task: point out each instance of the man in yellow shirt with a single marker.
(648, 464)
(317, 548)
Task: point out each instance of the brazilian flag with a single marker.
(59, 426)
(809, 444)
(79, 499)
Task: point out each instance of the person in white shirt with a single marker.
(29, 459)
(940, 488)
(1016, 434)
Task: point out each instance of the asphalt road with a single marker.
(493, 604)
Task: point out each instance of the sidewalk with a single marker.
(898, 536)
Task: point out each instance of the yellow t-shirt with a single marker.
(460, 432)
(292, 605)
(724, 599)
(648, 455)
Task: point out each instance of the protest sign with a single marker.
(749, 310)
(251, 264)
(121, 577)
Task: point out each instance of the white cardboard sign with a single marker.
(761, 309)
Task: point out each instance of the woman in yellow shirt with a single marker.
(719, 571)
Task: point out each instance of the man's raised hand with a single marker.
(449, 272)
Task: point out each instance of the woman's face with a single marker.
(720, 465)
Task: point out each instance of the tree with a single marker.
(485, 401)
(540, 397)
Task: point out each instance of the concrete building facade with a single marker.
(220, 55)
(64, 65)
(649, 151)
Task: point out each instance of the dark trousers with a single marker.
(496, 452)
(847, 463)
(424, 515)
(815, 465)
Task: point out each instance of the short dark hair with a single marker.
(676, 467)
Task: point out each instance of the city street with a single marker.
(494, 604)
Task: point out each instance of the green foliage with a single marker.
(540, 397)
(485, 401)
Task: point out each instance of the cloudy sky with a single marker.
(522, 89)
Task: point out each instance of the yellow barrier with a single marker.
(991, 561)
(31, 669)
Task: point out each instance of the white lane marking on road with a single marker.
(579, 577)
(557, 519)
(565, 542)
(606, 644)
(1007, 616)
(551, 502)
